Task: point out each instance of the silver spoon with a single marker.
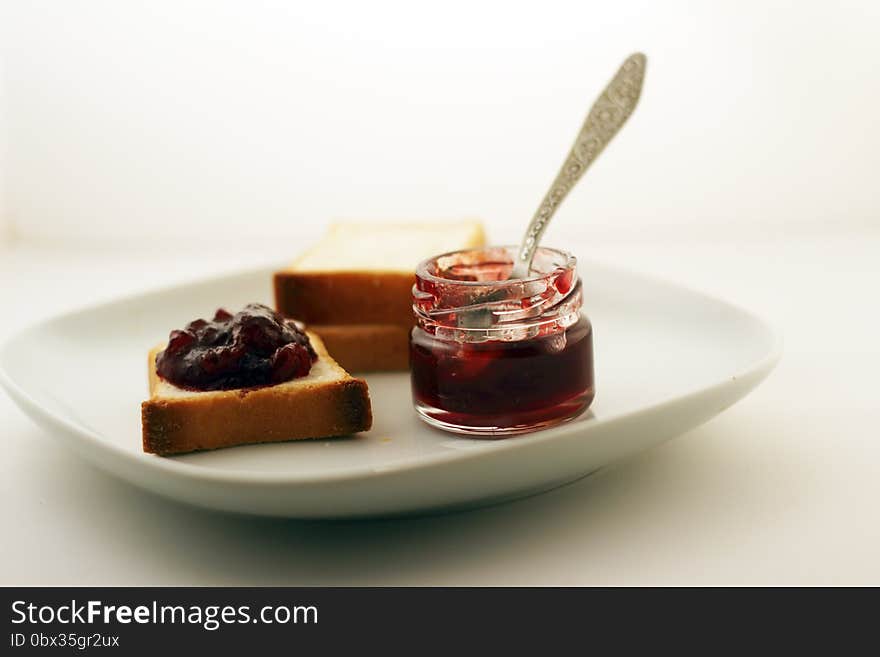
(607, 115)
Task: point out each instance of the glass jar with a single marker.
(491, 356)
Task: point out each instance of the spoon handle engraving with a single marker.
(607, 115)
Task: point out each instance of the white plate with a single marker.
(667, 359)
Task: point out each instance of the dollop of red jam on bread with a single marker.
(254, 347)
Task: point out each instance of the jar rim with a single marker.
(568, 261)
(485, 309)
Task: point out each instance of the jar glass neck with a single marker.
(467, 295)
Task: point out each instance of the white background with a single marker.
(135, 122)
(145, 143)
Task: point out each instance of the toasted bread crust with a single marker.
(335, 298)
(174, 425)
(367, 347)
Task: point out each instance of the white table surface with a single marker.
(783, 488)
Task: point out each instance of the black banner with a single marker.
(131, 621)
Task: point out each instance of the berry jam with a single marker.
(254, 347)
(491, 355)
(503, 385)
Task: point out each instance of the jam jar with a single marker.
(492, 356)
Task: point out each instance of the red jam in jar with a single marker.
(491, 356)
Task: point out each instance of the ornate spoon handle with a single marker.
(606, 117)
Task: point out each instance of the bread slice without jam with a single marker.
(367, 347)
(363, 273)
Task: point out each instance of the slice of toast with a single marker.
(367, 347)
(326, 402)
(363, 273)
